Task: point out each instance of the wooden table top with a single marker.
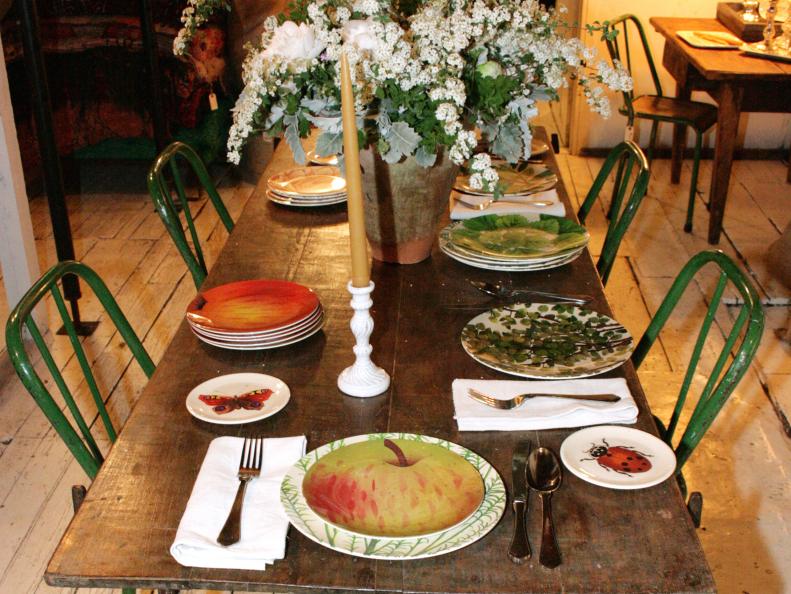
(611, 541)
(719, 64)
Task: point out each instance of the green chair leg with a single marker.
(693, 182)
(652, 142)
(695, 507)
(616, 187)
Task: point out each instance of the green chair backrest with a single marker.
(162, 195)
(76, 435)
(731, 364)
(628, 156)
(617, 40)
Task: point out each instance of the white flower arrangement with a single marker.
(421, 82)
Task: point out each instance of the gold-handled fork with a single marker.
(520, 399)
(249, 468)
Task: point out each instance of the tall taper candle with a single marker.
(361, 274)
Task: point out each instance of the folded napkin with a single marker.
(264, 523)
(542, 413)
(509, 205)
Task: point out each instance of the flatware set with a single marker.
(503, 291)
(537, 469)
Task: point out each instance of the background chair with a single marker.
(162, 194)
(732, 363)
(656, 107)
(77, 434)
(628, 155)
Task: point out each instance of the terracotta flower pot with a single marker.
(403, 204)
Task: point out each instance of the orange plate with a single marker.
(254, 305)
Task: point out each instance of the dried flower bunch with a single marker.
(424, 76)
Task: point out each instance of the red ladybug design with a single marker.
(621, 459)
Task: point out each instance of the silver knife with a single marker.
(520, 547)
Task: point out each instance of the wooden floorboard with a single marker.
(743, 467)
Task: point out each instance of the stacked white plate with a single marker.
(307, 187)
(506, 264)
(254, 315)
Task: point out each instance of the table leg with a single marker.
(679, 137)
(730, 104)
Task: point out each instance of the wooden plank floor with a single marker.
(743, 466)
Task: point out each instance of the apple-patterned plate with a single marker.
(451, 539)
(252, 306)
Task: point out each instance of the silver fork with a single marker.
(520, 399)
(249, 468)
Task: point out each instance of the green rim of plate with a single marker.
(475, 527)
(504, 320)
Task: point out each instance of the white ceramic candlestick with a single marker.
(364, 378)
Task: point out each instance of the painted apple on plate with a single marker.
(393, 488)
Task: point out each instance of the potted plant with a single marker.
(425, 75)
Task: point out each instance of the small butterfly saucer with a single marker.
(238, 398)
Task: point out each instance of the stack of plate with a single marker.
(307, 187)
(514, 246)
(256, 314)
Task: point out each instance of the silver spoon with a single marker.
(499, 290)
(544, 475)
(489, 201)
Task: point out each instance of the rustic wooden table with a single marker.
(611, 541)
(737, 82)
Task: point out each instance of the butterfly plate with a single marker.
(238, 398)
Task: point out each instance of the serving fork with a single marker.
(249, 468)
(521, 398)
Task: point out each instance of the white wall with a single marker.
(17, 247)
(756, 130)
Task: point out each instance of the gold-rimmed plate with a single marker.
(315, 159)
(308, 181)
(531, 179)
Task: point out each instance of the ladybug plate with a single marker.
(618, 457)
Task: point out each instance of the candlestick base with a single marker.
(362, 379)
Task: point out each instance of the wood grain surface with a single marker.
(612, 541)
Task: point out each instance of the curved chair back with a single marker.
(616, 37)
(76, 435)
(162, 194)
(628, 156)
(731, 364)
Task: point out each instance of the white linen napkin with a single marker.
(509, 205)
(264, 523)
(542, 413)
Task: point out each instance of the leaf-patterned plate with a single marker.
(547, 340)
(456, 537)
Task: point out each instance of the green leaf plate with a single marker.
(547, 341)
(517, 237)
(456, 537)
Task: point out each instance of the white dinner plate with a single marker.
(618, 457)
(266, 335)
(264, 344)
(235, 385)
(305, 203)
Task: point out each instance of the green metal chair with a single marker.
(75, 433)
(628, 155)
(732, 363)
(162, 194)
(658, 108)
